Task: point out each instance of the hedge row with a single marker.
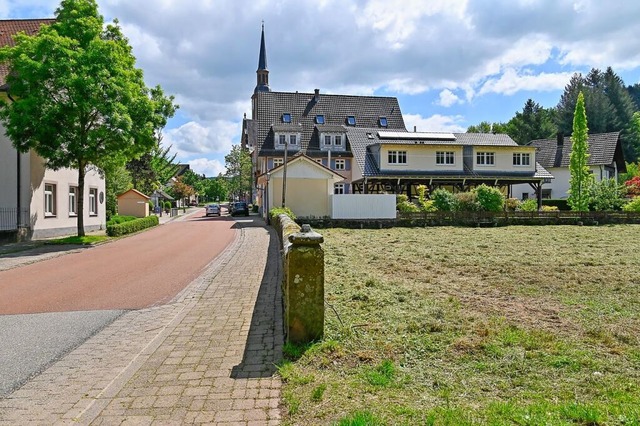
(132, 226)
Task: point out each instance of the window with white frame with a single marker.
(445, 157)
(338, 188)
(338, 141)
(485, 158)
(397, 157)
(93, 201)
(49, 199)
(293, 139)
(73, 200)
(282, 139)
(521, 159)
(278, 162)
(327, 140)
(340, 164)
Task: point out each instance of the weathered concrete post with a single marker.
(304, 286)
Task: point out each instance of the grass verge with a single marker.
(465, 326)
(86, 240)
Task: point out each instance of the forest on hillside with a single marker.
(611, 106)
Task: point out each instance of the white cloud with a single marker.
(511, 82)
(209, 168)
(448, 98)
(201, 138)
(435, 123)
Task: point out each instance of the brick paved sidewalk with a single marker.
(207, 358)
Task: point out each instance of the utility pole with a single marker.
(284, 171)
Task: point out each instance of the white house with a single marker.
(606, 161)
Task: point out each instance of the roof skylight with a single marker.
(319, 119)
(351, 120)
(383, 121)
(286, 117)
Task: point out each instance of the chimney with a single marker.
(316, 96)
(415, 129)
(560, 138)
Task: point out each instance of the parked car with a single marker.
(213, 210)
(239, 208)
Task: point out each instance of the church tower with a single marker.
(263, 73)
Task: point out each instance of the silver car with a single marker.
(213, 210)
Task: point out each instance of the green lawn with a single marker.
(453, 326)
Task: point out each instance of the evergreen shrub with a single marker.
(138, 224)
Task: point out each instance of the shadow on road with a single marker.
(264, 342)
(25, 250)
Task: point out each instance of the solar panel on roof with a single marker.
(416, 135)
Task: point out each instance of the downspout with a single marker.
(18, 181)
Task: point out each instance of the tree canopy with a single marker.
(238, 163)
(79, 100)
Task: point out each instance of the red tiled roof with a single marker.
(11, 27)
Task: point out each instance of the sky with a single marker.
(450, 63)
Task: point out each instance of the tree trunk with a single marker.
(81, 173)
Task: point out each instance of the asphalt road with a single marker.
(50, 307)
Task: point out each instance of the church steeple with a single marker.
(263, 73)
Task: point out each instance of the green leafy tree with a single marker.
(581, 177)
(180, 190)
(80, 102)
(216, 188)
(534, 122)
(489, 198)
(607, 194)
(486, 127)
(632, 206)
(444, 200)
(117, 181)
(238, 163)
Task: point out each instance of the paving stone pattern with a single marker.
(207, 358)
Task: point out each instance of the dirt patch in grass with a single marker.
(514, 325)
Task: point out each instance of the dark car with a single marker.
(239, 208)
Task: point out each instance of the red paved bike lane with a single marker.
(135, 272)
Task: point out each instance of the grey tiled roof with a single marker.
(335, 109)
(361, 138)
(602, 147)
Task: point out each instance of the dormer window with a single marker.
(286, 117)
(287, 139)
(319, 119)
(351, 120)
(383, 121)
(338, 141)
(327, 140)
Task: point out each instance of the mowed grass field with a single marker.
(462, 326)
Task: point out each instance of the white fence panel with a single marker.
(363, 206)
